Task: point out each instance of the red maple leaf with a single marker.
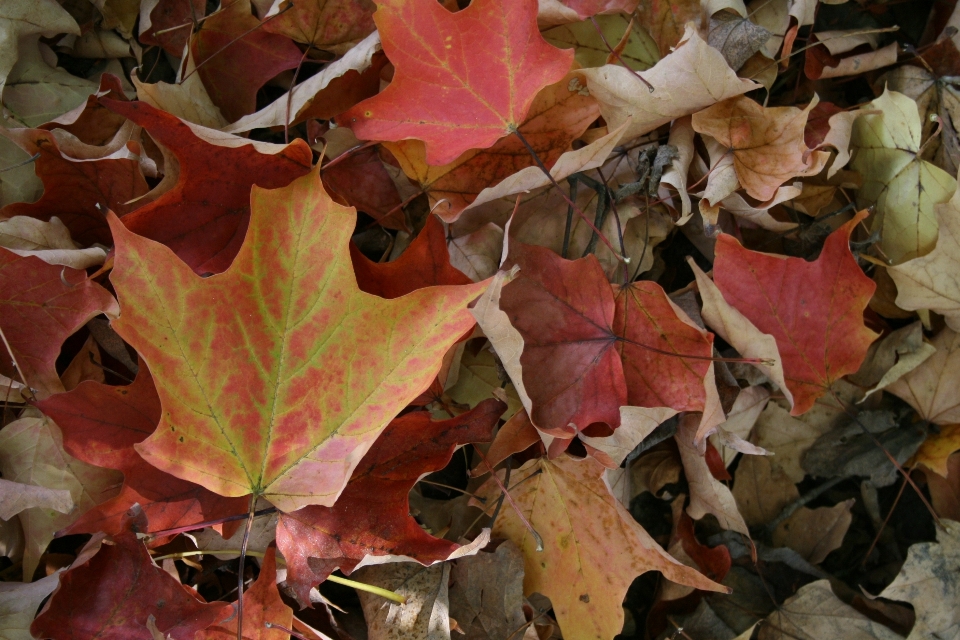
(100, 425)
(463, 80)
(814, 310)
(41, 305)
(372, 515)
(204, 217)
(586, 353)
(110, 595)
(425, 263)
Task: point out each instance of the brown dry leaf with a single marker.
(759, 213)
(16, 496)
(636, 423)
(788, 438)
(746, 409)
(814, 533)
(931, 282)
(692, 77)
(426, 613)
(486, 594)
(838, 137)
(188, 100)
(862, 62)
(587, 531)
(815, 613)
(904, 188)
(654, 470)
(49, 241)
(22, 18)
(36, 91)
(560, 113)
(707, 494)
(736, 37)
(666, 21)
(767, 143)
(931, 388)
(889, 359)
(930, 581)
(477, 254)
(19, 602)
(762, 490)
(945, 490)
(681, 137)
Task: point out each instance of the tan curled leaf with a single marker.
(766, 142)
(50, 241)
(931, 388)
(815, 613)
(692, 77)
(814, 533)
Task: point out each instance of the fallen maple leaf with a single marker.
(360, 180)
(766, 142)
(425, 263)
(371, 516)
(692, 77)
(558, 115)
(42, 305)
(77, 191)
(586, 354)
(587, 531)
(929, 282)
(235, 58)
(486, 593)
(904, 187)
(292, 427)
(325, 24)
(215, 175)
(101, 425)
(930, 388)
(814, 310)
(164, 24)
(262, 605)
(475, 72)
(50, 241)
(666, 20)
(111, 594)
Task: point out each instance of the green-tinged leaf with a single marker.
(277, 375)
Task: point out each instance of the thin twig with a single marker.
(25, 162)
(243, 557)
(619, 59)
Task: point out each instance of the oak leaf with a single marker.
(215, 175)
(111, 594)
(692, 77)
(767, 143)
(41, 305)
(474, 72)
(814, 310)
(585, 531)
(904, 187)
(371, 516)
(332, 365)
(100, 425)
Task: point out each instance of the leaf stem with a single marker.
(516, 508)
(369, 588)
(243, 557)
(204, 525)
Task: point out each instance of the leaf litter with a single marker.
(562, 319)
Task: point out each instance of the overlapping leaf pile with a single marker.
(495, 304)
